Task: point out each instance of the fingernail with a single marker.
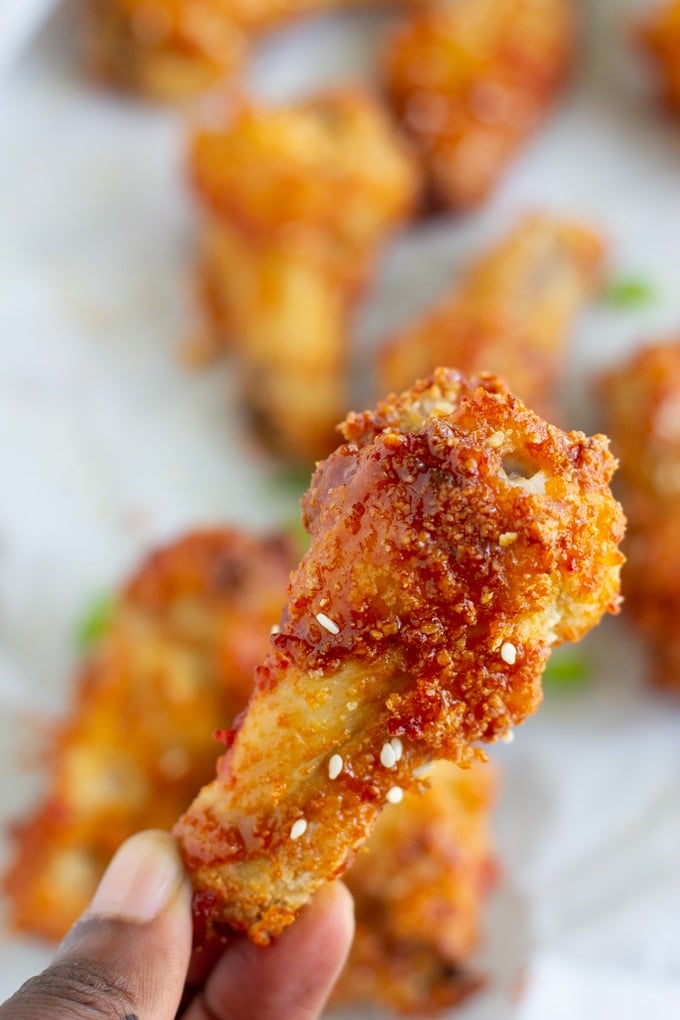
(141, 879)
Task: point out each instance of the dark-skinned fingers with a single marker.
(128, 955)
(289, 980)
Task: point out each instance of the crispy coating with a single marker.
(659, 35)
(419, 887)
(297, 202)
(510, 314)
(470, 80)
(642, 400)
(455, 539)
(176, 662)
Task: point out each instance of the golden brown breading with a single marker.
(176, 662)
(510, 314)
(419, 887)
(455, 539)
(470, 80)
(297, 202)
(642, 399)
(659, 34)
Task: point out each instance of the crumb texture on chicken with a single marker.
(297, 202)
(511, 313)
(642, 402)
(470, 80)
(456, 537)
(175, 664)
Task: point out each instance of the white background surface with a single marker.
(107, 445)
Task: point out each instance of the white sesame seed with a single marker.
(395, 795)
(387, 756)
(508, 736)
(397, 747)
(298, 828)
(352, 706)
(509, 653)
(335, 765)
(327, 623)
(275, 630)
(423, 770)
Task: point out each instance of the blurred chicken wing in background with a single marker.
(470, 80)
(511, 314)
(297, 202)
(175, 663)
(659, 34)
(642, 403)
(419, 887)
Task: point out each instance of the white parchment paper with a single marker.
(107, 445)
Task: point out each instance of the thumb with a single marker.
(127, 957)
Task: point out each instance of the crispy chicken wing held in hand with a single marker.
(642, 401)
(175, 662)
(455, 539)
(510, 314)
(470, 80)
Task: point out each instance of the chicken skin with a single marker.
(642, 401)
(456, 538)
(470, 80)
(297, 201)
(175, 663)
(511, 313)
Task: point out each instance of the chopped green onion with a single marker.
(300, 537)
(292, 482)
(567, 669)
(95, 621)
(629, 292)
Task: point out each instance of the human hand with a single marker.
(129, 956)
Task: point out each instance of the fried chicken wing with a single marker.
(174, 49)
(175, 663)
(455, 539)
(659, 34)
(297, 200)
(470, 80)
(419, 887)
(510, 314)
(166, 49)
(642, 400)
